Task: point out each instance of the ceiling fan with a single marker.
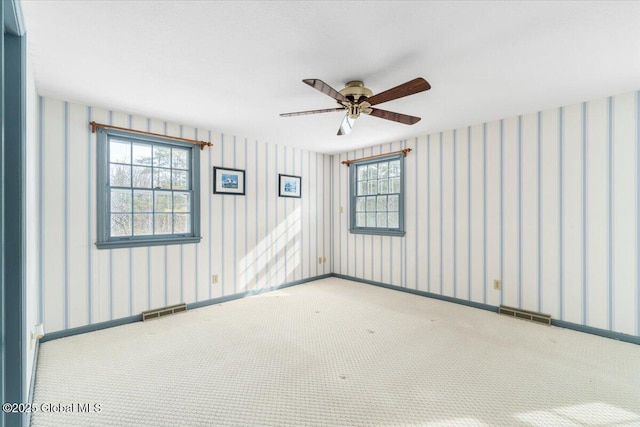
(357, 99)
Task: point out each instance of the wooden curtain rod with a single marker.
(202, 144)
(403, 152)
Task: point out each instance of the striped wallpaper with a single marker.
(252, 242)
(548, 203)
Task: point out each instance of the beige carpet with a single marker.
(338, 353)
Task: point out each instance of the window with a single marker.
(377, 196)
(148, 190)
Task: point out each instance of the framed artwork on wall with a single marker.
(289, 186)
(228, 181)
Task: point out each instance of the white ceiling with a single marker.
(234, 66)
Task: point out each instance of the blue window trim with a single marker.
(104, 241)
(400, 231)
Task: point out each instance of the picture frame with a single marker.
(228, 181)
(289, 186)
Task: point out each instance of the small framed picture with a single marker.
(228, 181)
(289, 185)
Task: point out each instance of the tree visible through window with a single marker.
(150, 195)
(377, 199)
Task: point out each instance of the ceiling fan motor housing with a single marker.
(354, 91)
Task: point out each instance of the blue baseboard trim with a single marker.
(618, 336)
(138, 317)
(220, 300)
(421, 293)
(91, 328)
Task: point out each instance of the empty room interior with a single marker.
(306, 213)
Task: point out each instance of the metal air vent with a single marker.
(525, 314)
(165, 311)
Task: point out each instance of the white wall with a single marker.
(31, 222)
(251, 242)
(546, 202)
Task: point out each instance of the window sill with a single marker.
(147, 242)
(375, 232)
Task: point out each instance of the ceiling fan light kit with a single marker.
(358, 99)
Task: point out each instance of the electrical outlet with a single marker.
(497, 285)
(214, 278)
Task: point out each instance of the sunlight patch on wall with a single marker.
(281, 245)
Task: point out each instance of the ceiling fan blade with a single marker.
(326, 89)
(304, 113)
(346, 125)
(409, 88)
(396, 117)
